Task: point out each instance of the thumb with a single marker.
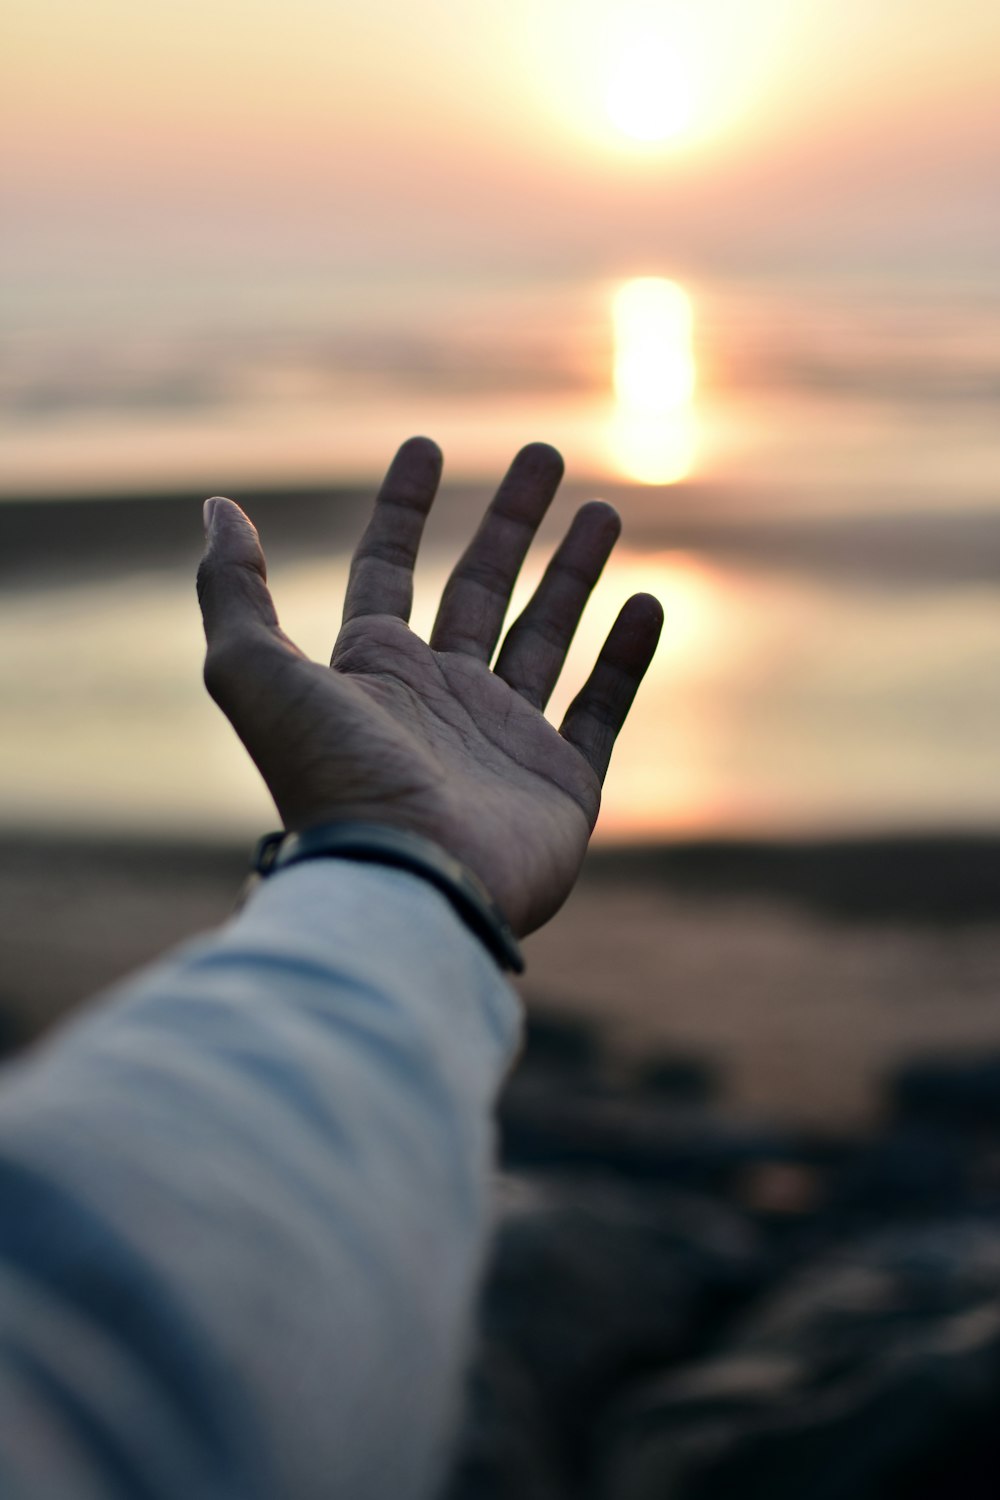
(232, 574)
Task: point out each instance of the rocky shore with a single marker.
(683, 1306)
(748, 1223)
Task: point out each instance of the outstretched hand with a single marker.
(426, 737)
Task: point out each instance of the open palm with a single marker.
(427, 737)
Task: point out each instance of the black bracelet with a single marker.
(378, 843)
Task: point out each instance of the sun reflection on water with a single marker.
(653, 431)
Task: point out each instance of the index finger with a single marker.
(381, 577)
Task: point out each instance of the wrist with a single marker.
(388, 844)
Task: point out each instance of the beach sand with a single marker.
(800, 973)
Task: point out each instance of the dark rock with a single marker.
(505, 1451)
(912, 1170)
(960, 1094)
(593, 1282)
(686, 1080)
(636, 1136)
(15, 1031)
(560, 1045)
(873, 1374)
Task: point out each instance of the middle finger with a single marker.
(477, 594)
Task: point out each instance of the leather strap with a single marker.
(377, 843)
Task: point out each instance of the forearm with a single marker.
(248, 1195)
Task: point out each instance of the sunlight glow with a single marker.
(654, 381)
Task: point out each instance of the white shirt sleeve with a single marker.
(243, 1205)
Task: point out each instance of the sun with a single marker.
(650, 94)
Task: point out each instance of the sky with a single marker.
(818, 133)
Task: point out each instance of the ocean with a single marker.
(808, 472)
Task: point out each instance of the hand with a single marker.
(426, 737)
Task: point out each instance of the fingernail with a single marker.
(207, 511)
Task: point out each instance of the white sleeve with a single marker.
(243, 1205)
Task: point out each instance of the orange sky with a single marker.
(836, 129)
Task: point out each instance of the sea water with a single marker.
(818, 507)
